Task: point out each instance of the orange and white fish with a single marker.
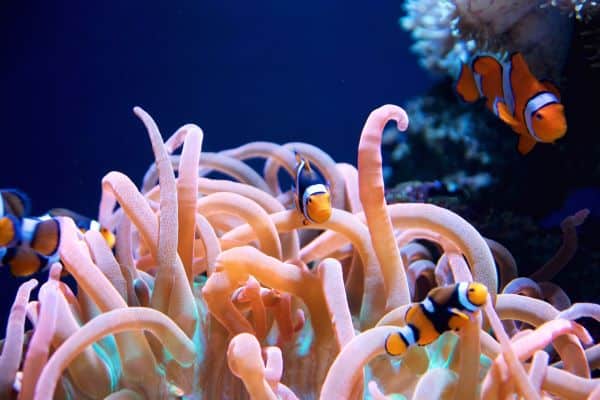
(446, 308)
(530, 107)
(311, 193)
(30, 244)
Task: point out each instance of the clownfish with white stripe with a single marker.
(445, 308)
(530, 107)
(30, 244)
(311, 193)
(85, 224)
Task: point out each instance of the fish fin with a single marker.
(457, 322)
(64, 212)
(298, 157)
(10, 229)
(81, 221)
(24, 261)
(505, 115)
(521, 76)
(486, 65)
(466, 86)
(395, 344)
(18, 202)
(526, 144)
(307, 163)
(459, 313)
(551, 87)
(46, 237)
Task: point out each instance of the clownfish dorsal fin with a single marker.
(505, 115)
(526, 144)
(521, 76)
(486, 65)
(466, 87)
(551, 87)
(307, 163)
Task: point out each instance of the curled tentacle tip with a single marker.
(396, 113)
(580, 216)
(32, 283)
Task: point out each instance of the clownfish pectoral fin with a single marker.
(17, 203)
(505, 115)
(551, 87)
(466, 86)
(459, 313)
(526, 144)
(46, 237)
(23, 261)
(456, 323)
(9, 231)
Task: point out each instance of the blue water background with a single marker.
(71, 71)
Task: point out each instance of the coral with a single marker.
(464, 142)
(448, 32)
(217, 289)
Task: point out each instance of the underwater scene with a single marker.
(386, 200)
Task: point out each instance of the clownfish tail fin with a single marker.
(15, 202)
(466, 87)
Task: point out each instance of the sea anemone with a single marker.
(218, 289)
(450, 32)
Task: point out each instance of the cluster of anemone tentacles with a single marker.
(217, 290)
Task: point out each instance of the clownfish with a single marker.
(530, 107)
(444, 309)
(311, 193)
(85, 224)
(30, 244)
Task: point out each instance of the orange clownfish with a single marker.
(444, 309)
(530, 107)
(30, 244)
(311, 193)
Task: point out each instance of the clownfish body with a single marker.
(530, 107)
(85, 224)
(30, 244)
(311, 193)
(444, 309)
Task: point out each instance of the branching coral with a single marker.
(217, 289)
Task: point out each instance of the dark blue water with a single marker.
(71, 71)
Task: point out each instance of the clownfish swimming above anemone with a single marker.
(30, 244)
(530, 107)
(311, 193)
(445, 308)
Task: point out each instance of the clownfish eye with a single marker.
(471, 289)
(309, 199)
(539, 116)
